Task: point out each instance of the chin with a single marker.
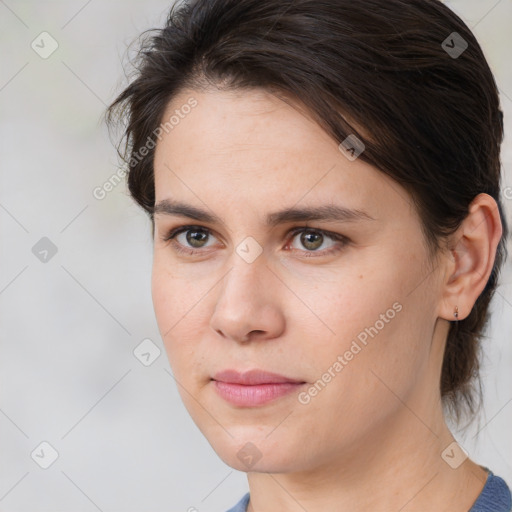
(250, 451)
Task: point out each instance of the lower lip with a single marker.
(258, 394)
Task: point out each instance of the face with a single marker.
(294, 293)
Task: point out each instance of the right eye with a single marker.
(193, 239)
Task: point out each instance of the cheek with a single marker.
(355, 384)
(366, 317)
(164, 297)
(335, 307)
(173, 302)
(173, 293)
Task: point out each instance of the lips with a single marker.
(253, 387)
(252, 377)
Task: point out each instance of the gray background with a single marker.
(68, 375)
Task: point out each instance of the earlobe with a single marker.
(474, 252)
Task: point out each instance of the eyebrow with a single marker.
(329, 212)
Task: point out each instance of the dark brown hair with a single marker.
(429, 118)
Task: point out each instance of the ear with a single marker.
(473, 251)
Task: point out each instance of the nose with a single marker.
(248, 303)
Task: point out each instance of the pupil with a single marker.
(195, 238)
(306, 239)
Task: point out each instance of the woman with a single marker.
(323, 181)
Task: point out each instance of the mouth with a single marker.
(254, 387)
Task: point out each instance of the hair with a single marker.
(382, 71)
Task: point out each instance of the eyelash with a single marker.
(343, 241)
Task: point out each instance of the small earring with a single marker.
(456, 312)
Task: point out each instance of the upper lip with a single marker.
(252, 377)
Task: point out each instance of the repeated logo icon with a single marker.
(454, 45)
(44, 250)
(249, 454)
(454, 455)
(249, 249)
(44, 45)
(44, 455)
(352, 147)
(147, 352)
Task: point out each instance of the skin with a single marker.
(372, 438)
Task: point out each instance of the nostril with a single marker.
(250, 335)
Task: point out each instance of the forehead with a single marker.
(241, 120)
(258, 148)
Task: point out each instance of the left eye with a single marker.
(312, 239)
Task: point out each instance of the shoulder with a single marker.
(241, 506)
(495, 496)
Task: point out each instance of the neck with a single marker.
(397, 466)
